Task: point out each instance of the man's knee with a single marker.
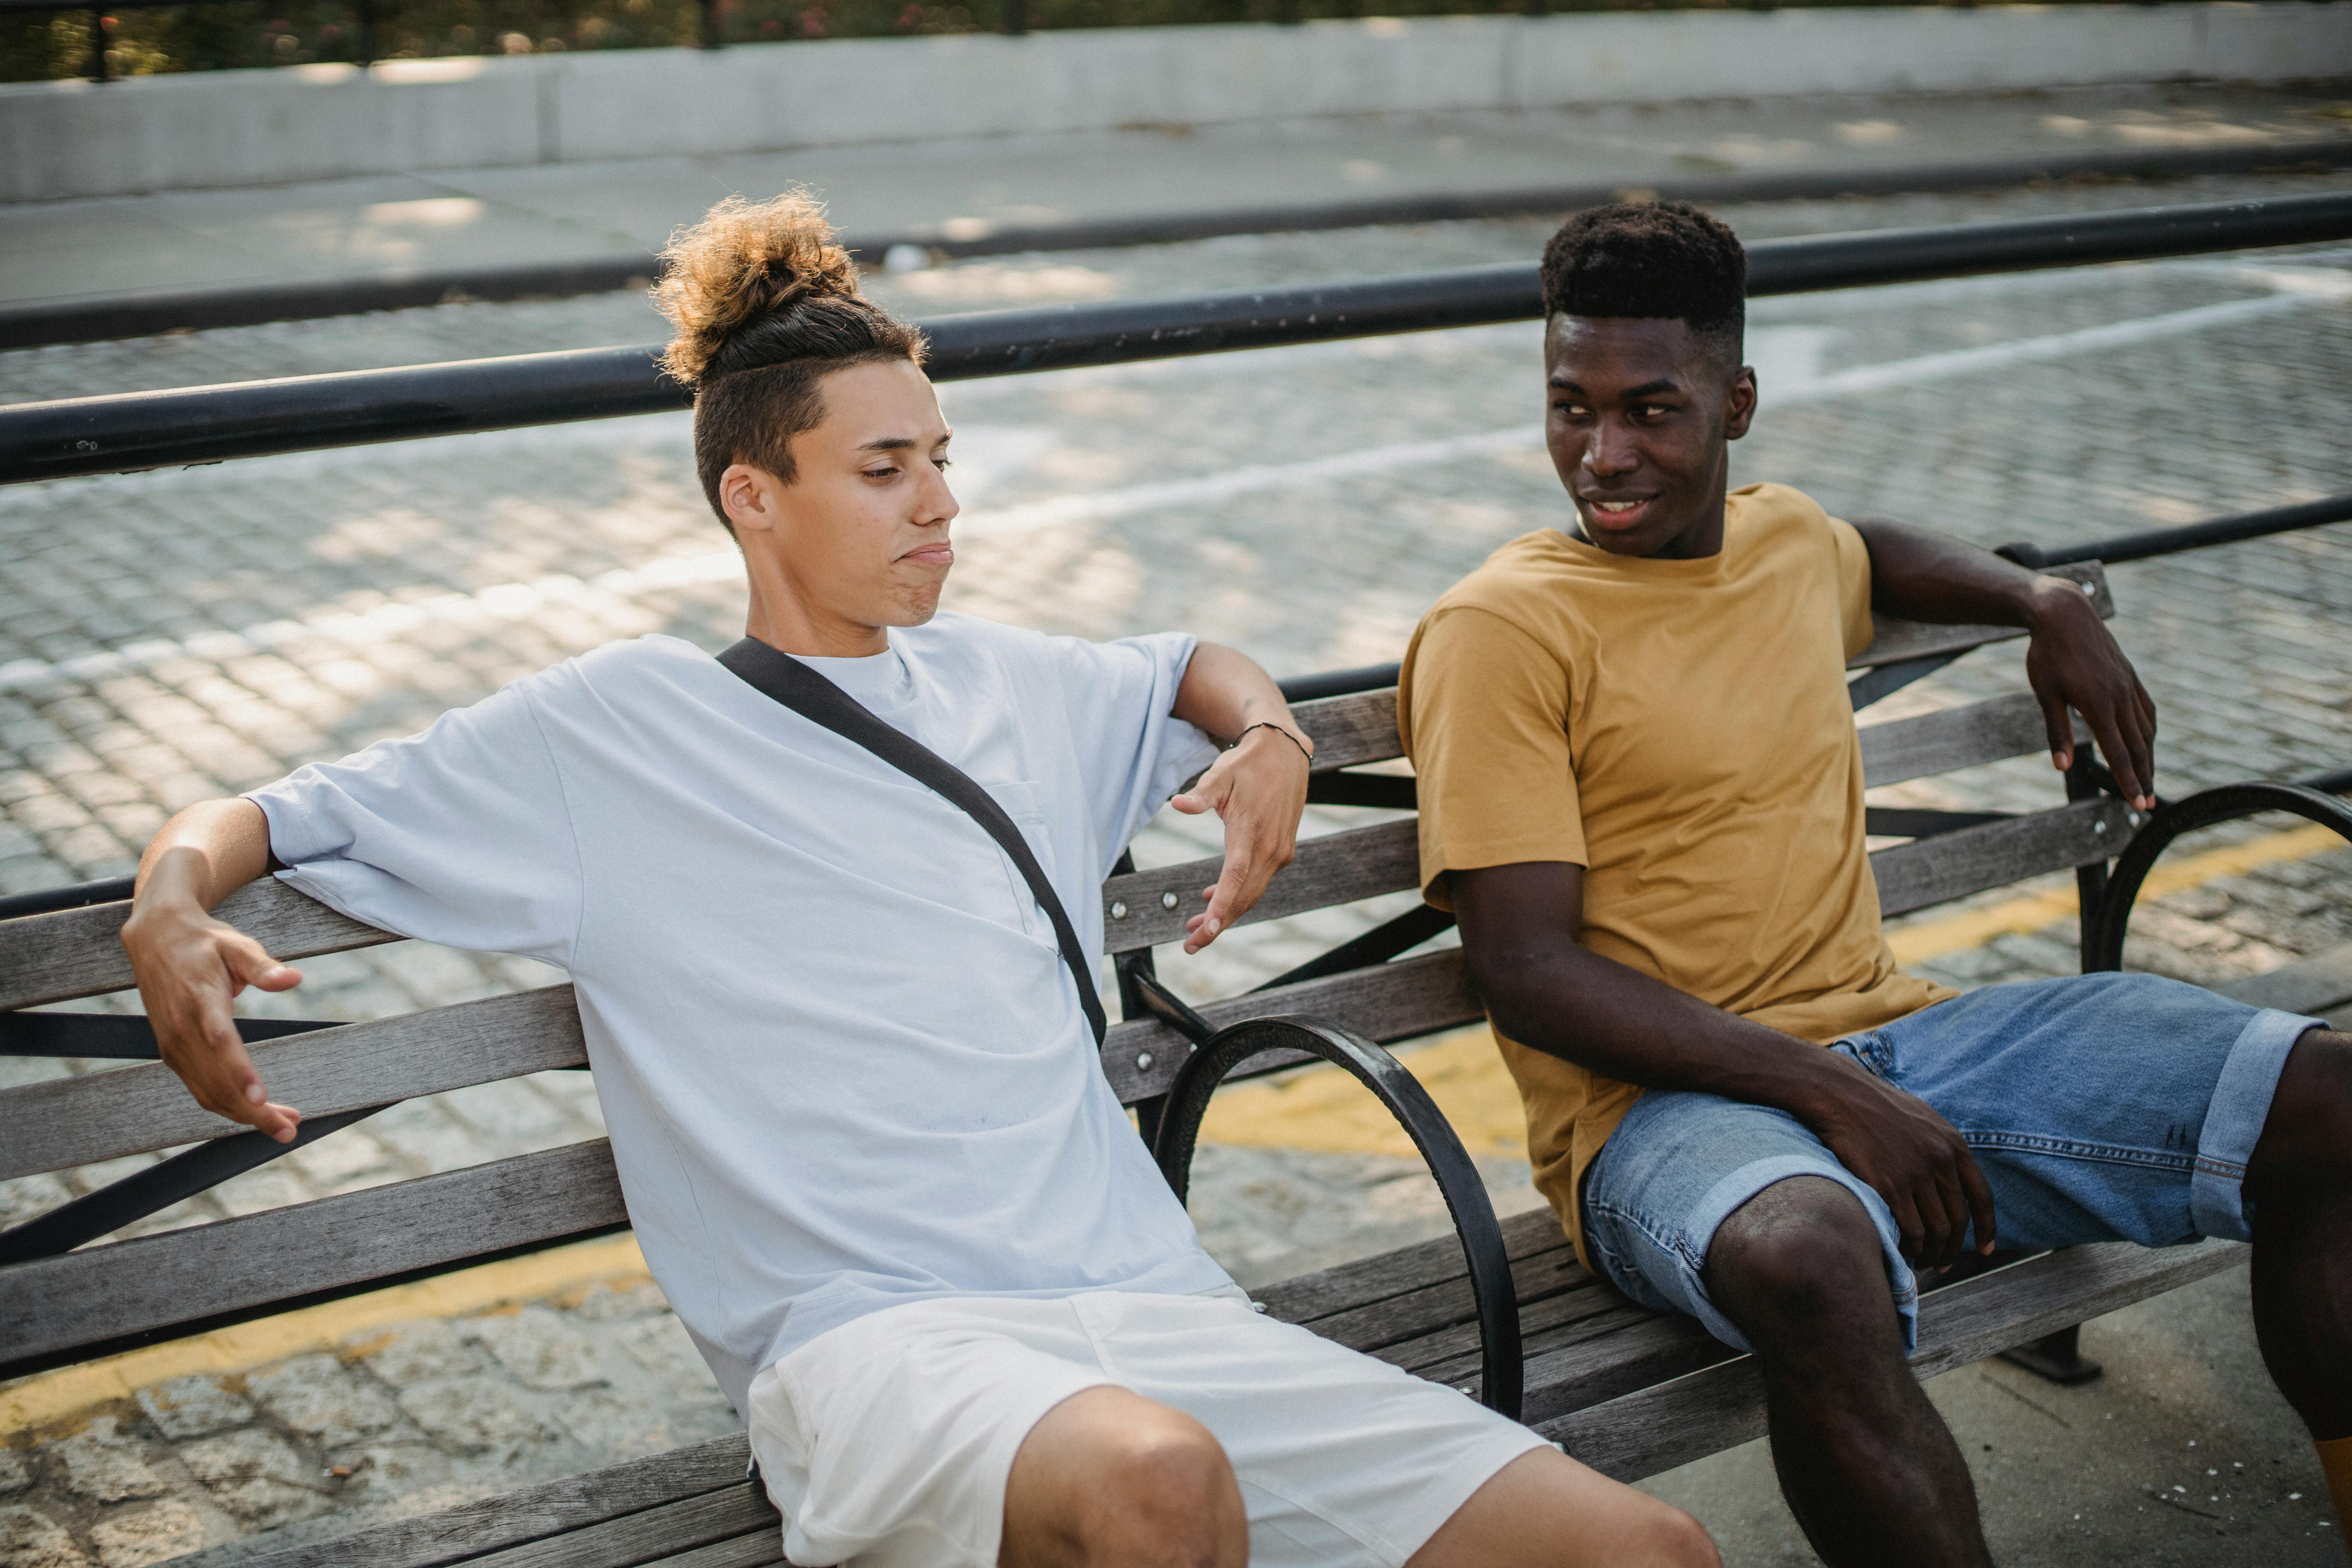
(1793, 1254)
(1111, 1477)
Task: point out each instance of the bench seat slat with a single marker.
(1310, 1298)
(708, 1518)
(107, 1294)
(1955, 865)
(761, 1549)
(78, 953)
(132, 1110)
(533, 1513)
(1669, 1423)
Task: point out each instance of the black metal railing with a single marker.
(126, 432)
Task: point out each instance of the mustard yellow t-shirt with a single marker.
(1681, 730)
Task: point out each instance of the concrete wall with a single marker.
(242, 128)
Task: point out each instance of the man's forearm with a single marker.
(1567, 1002)
(1924, 576)
(1224, 692)
(202, 855)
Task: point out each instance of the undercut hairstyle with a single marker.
(764, 304)
(1662, 261)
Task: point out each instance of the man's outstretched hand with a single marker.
(1258, 787)
(2073, 662)
(190, 967)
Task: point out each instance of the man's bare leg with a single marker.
(1868, 1468)
(1543, 1510)
(1111, 1480)
(2300, 1184)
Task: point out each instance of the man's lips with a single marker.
(1614, 512)
(940, 554)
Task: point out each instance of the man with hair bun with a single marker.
(830, 907)
(1642, 794)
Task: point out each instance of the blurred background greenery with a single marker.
(230, 34)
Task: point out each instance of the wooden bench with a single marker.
(1505, 1312)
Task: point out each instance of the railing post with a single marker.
(1016, 18)
(98, 66)
(713, 37)
(365, 51)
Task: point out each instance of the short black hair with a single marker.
(1663, 260)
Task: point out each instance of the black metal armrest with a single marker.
(2103, 948)
(1497, 1299)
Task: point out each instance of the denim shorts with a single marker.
(2100, 1108)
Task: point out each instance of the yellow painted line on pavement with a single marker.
(52, 1395)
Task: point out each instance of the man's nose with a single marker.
(1610, 450)
(939, 504)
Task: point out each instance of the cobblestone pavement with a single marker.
(168, 636)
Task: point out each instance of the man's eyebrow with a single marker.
(1647, 389)
(900, 442)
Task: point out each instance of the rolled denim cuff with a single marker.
(2234, 1122)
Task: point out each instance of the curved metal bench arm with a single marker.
(2104, 949)
(1497, 1299)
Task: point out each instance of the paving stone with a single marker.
(157, 1534)
(257, 1478)
(30, 1539)
(411, 1352)
(540, 1348)
(604, 1303)
(196, 1406)
(474, 1415)
(106, 1464)
(321, 1399)
(14, 1476)
(662, 1347)
(382, 1470)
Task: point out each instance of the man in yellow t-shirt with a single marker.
(1642, 794)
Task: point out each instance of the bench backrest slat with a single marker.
(1955, 865)
(132, 1110)
(1332, 869)
(1897, 639)
(78, 953)
(1989, 731)
(104, 1294)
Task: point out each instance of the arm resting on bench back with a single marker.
(190, 966)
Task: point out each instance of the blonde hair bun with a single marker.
(744, 260)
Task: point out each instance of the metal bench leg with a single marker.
(2058, 1357)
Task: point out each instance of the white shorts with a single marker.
(886, 1442)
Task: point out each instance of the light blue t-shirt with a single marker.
(843, 1063)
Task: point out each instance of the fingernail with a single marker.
(1210, 925)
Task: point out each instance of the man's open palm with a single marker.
(1259, 788)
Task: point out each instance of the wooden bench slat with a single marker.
(1332, 869)
(1673, 1423)
(105, 1294)
(633, 1539)
(1395, 1001)
(761, 1549)
(78, 953)
(1955, 865)
(1351, 731)
(130, 1110)
(1989, 731)
(532, 1513)
(1310, 1298)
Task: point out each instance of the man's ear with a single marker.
(748, 495)
(1739, 406)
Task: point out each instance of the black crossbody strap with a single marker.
(779, 675)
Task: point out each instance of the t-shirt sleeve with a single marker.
(1486, 727)
(1133, 751)
(460, 834)
(1854, 587)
